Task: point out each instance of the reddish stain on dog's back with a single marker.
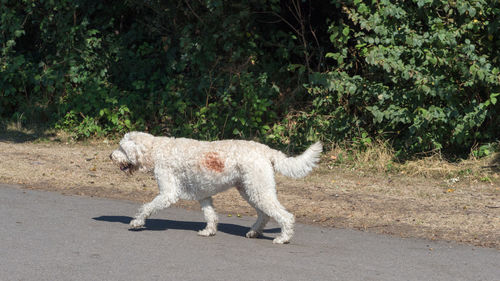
(213, 162)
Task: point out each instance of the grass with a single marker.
(376, 157)
(379, 157)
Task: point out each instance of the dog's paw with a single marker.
(136, 223)
(281, 240)
(206, 232)
(253, 234)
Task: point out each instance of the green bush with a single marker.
(423, 75)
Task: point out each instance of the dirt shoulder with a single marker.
(457, 210)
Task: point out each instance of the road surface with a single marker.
(48, 236)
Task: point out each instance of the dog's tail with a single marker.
(298, 166)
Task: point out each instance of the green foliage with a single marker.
(80, 127)
(424, 75)
(485, 150)
(105, 68)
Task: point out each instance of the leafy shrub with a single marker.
(423, 75)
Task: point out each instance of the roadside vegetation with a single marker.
(378, 158)
(418, 76)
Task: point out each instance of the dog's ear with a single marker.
(134, 151)
(138, 146)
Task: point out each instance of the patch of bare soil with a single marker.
(456, 210)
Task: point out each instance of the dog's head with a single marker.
(134, 152)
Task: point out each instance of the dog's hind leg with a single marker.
(210, 216)
(262, 218)
(260, 188)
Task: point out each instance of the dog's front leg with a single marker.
(168, 195)
(210, 216)
(161, 201)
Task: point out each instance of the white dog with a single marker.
(197, 170)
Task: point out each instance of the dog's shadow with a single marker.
(161, 224)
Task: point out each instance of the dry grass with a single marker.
(377, 157)
(380, 158)
(484, 169)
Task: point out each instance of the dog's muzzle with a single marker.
(126, 167)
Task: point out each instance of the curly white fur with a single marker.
(197, 170)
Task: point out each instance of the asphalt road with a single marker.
(48, 236)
